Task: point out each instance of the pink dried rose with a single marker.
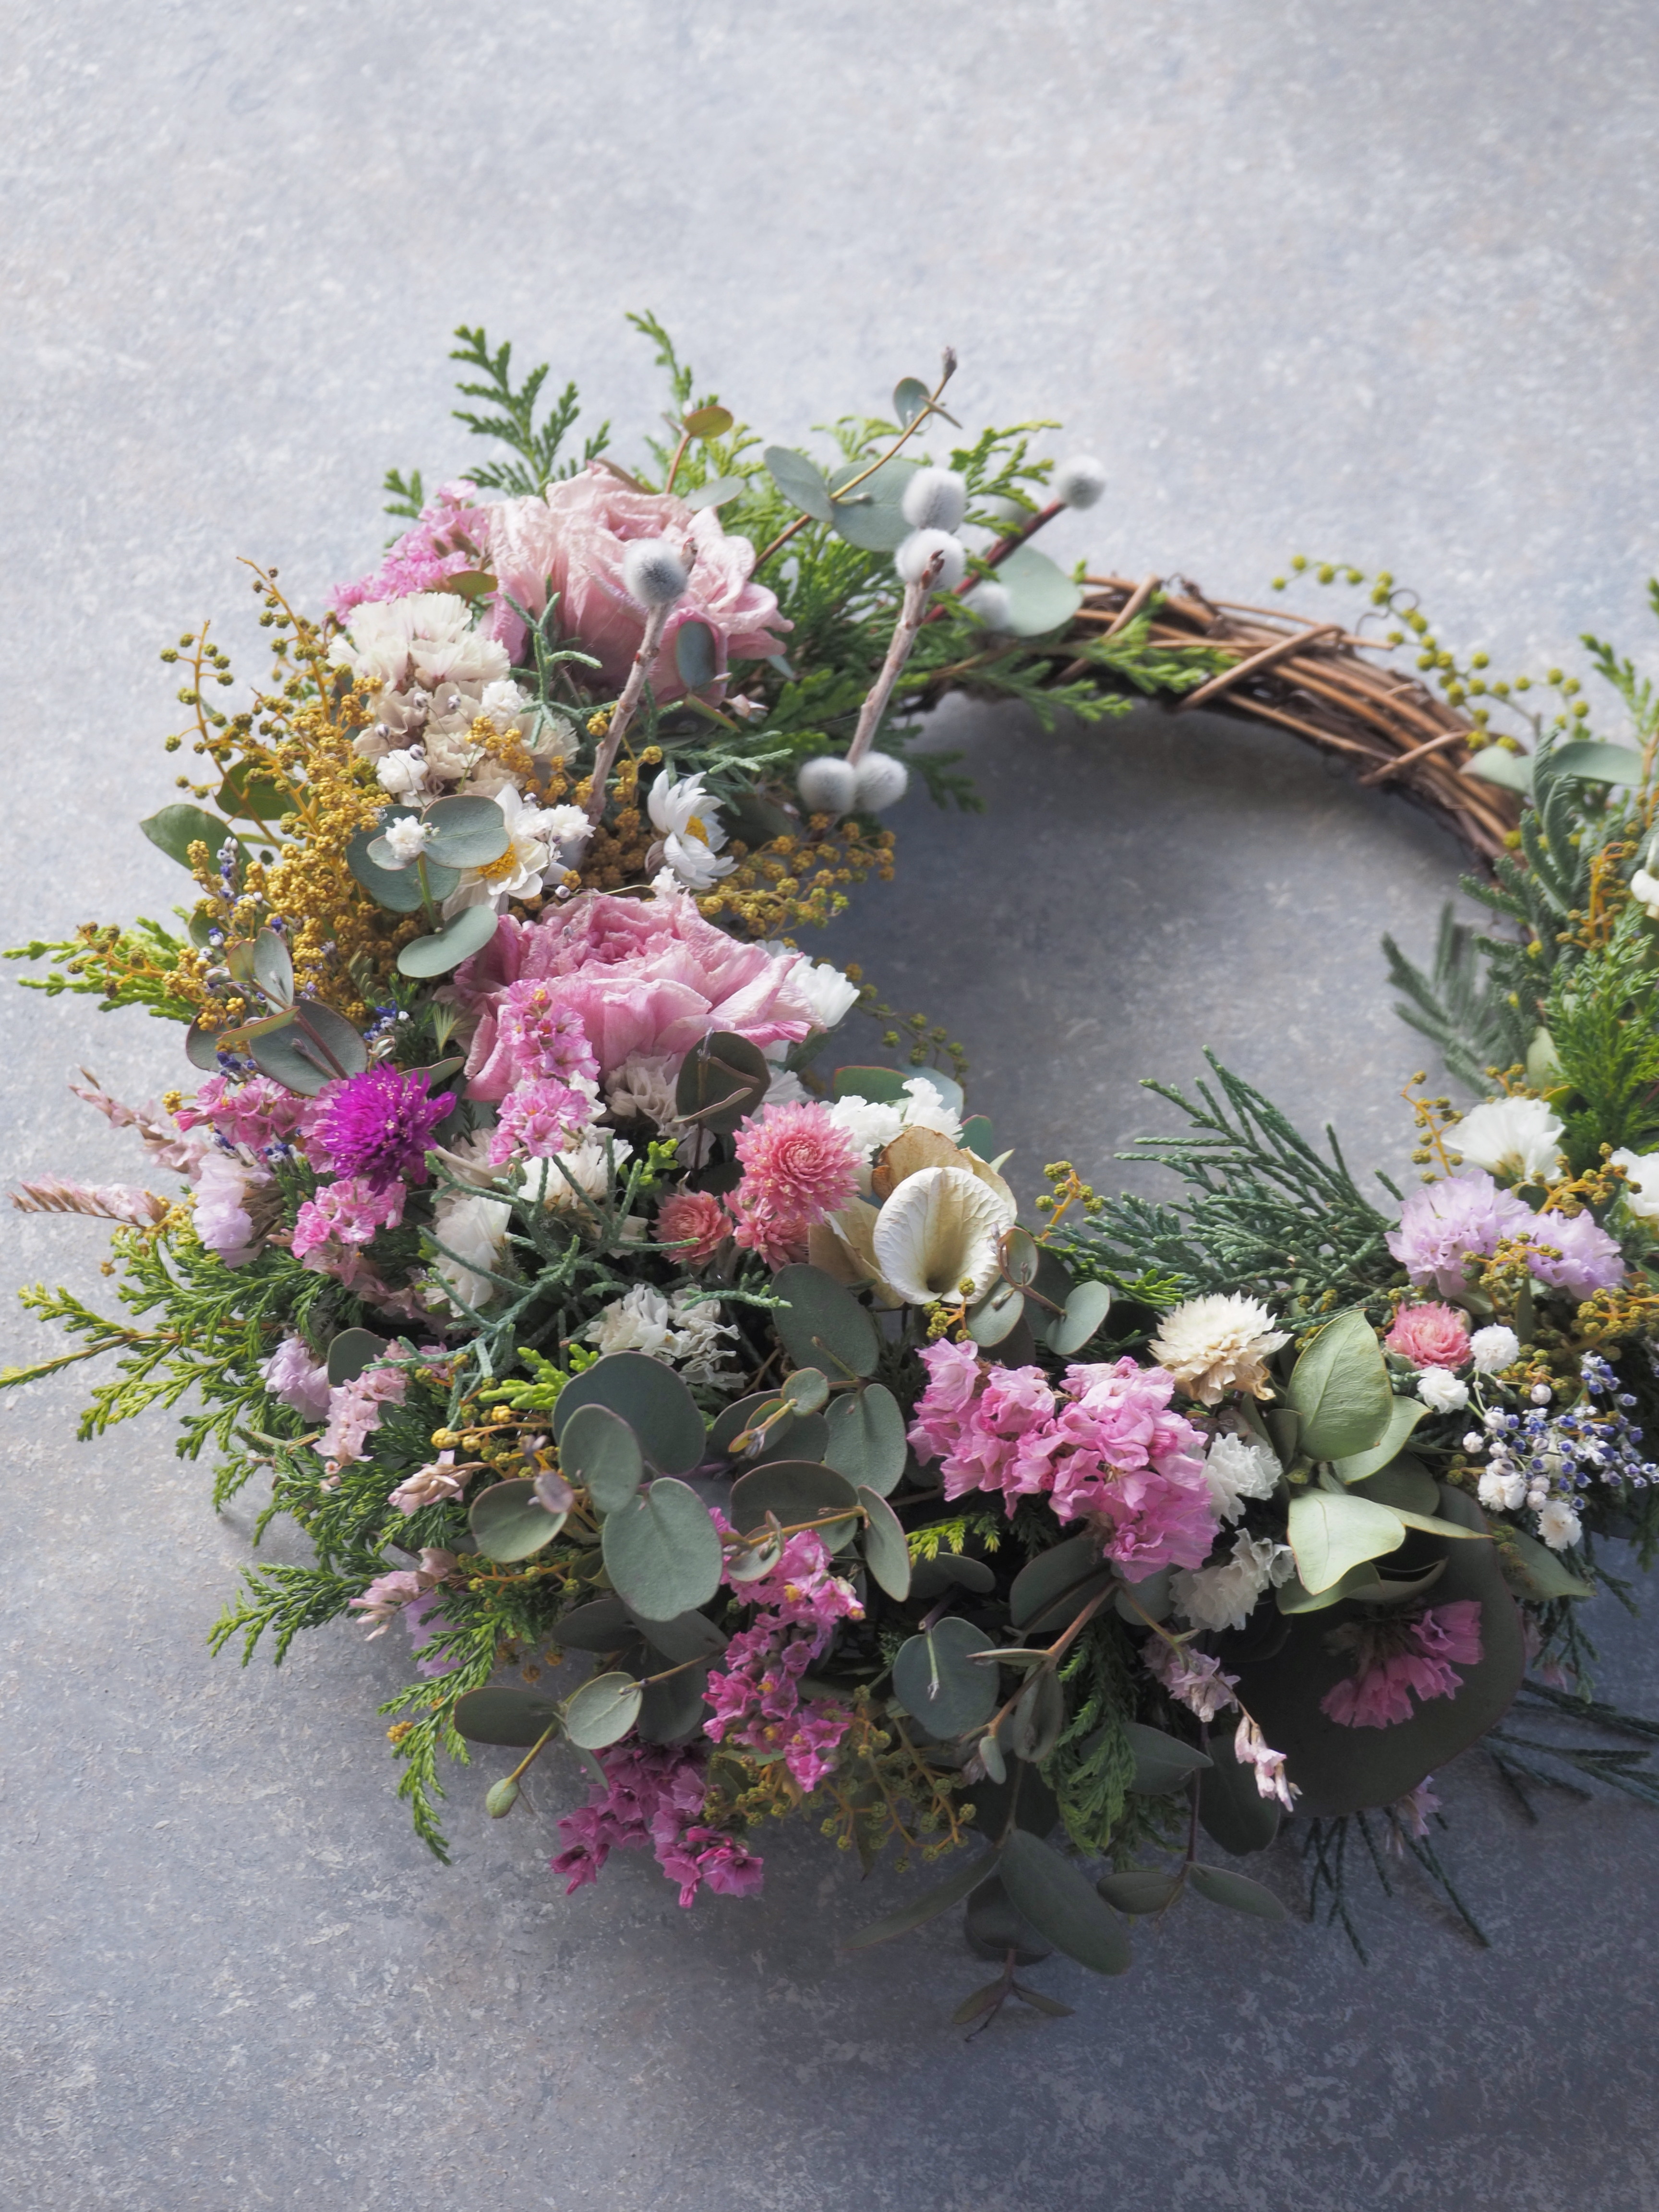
(572, 543)
(1430, 1335)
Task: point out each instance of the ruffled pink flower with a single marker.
(1442, 1222)
(798, 1167)
(946, 1406)
(696, 1221)
(292, 1374)
(642, 976)
(540, 1117)
(257, 1113)
(341, 1215)
(451, 537)
(1397, 1658)
(779, 1240)
(1430, 1335)
(1574, 1254)
(1010, 1443)
(354, 1413)
(387, 1594)
(573, 542)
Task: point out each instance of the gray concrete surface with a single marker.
(1376, 282)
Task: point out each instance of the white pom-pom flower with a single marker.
(653, 575)
(882, 782)
(919, 549)
(991, 603)
(827, 786)
(1079, 481)
(1494, 1348)
(1442, 1393)
(934, 499)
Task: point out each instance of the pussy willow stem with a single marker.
(655, 623)
(910, 620)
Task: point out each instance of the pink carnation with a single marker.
(1442, 1222)
(1430, 1335)
(450, 537)
(696, 1222)
(1395, 1658)
(639, 976)
(573, 542)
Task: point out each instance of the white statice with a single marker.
(1441, 1391)
(1237, 1468)
(643, 1088)
(472, 1228)
(1493, 1348)
(1557, 1524)
(588, 1166)
(684, 1331)
(1518, 1138)
(403, 772)
(1644, 889)
(1226, 1597)
(1641, 1189)
(686, 818)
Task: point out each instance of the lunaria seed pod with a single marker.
(828, 786)
(503, 1796)
(653, 575)
(918, 549)
(882, 782)
(934, 499)
(1079, 481)
(991, 603)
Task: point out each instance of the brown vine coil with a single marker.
(1323, 683)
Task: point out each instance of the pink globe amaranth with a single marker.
(696, 1221)
(646, 976)
(1430, 1335)
(571, 545)
(796, 1162)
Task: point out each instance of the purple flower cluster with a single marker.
(756, 1696)
(378, 1126)
(449, 538)
(1441, 1224)
(654, 1795)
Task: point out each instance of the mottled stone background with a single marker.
(1370, 282)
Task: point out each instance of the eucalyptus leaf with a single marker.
(711, 421)
(920, 1910)
(200, 1048)
(687, 1636)
(822, 1324)
(997, 1314)
(672, 1709)
(793, 1491)
(599, 1449)
(1071, 1602)
(1339, 1387)
(1042, 596)
(1404, 1414)
(1537, 1572)
(722, 1080)
(1236, 1892)
(1329, 1534)
(716, 492)
(1041, 1580)
(1496, 764)
(604, 1624)
(273, 969)
(470, 833)
(351, 1354)
(1162, 1762)
(248, 796)
(1232, 1810)
(866, 1437)
(509, 1522)
(938, 1683)
(1085, 1315)
(695, 655)
(502, 1714)
(1038, 1719)
(949, 1571)
(1598, 764)
(469, 933)
(800, 480)
(603, 1709)
(993, 1928)
(806, 1390)
(871, 517)
(1060, 1903)
(1139, 1889)
(176, 829)
(1364, 1584)
(312, 1049)
(796, 1436)
(661, 1550)
(398, 890)
(885, 1552)
(910, 399)
(650, 1397)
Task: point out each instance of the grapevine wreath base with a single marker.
(688, 1390)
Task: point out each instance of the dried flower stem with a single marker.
(910, 620)
(606, 758)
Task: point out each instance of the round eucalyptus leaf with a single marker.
(822, 1325)
(871, 516)
(1060, 1903)
(597, 1448)
(604, 1624)
(885, 1552)
(806, 1390)
(1085, 1311)
(866, 1437)
(711, 421)
(1139, 1889)
(997, 1314)
(273, 969)
(1071, 1602)
(994, 1928)
(1162, 1762)
(672, 1709)
(1044, 1578)
(797, 1435)
(722, 1079)
(469, 933)
(605, 1708)
(1041, 596)
(1339, 1387)
(651, 1398)
(1021, 1255)
(910, 398)
(661, 1550)
(509, 1522)
(1235, 1891)
(687, 1636)
(929, 1578)
(470, 832)
(200, 1049)
(398, 890)
(315, 1047)
(800, 480)
(251, 796)
(1145, 1600)
(176, 829)
(716, 492)
(791, 1490)
(502, 1714)
(695, 655)
(352, 1352)
(940, 1685)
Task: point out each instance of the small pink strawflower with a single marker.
(694, 1221)
(797, 1163)
(1396, 1657)
(1430, 1335)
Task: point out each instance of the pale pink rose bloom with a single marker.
(572, 543)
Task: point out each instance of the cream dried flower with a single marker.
(1216, 1344)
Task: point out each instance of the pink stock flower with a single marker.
(645, 977)
(257, 1113)
(354, 1413)
(946, 1406)
(1441, 1223)
(540, 1117)
(1192, 1678)
(573, 542)
(292, 1374)
(696, 1222)
(450, 537)
(1395, 1658)
(653, 1793)
(1574, 1254)
(1011, 1440)
(341, 1216)
(1430, 1335)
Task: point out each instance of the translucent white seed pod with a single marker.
(827, 786)
(991, 603)
(653, 575)
(882, 782)
(918, 549)
(1079, 481)
(935, 498)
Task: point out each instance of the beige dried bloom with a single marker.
(1216, 1344)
